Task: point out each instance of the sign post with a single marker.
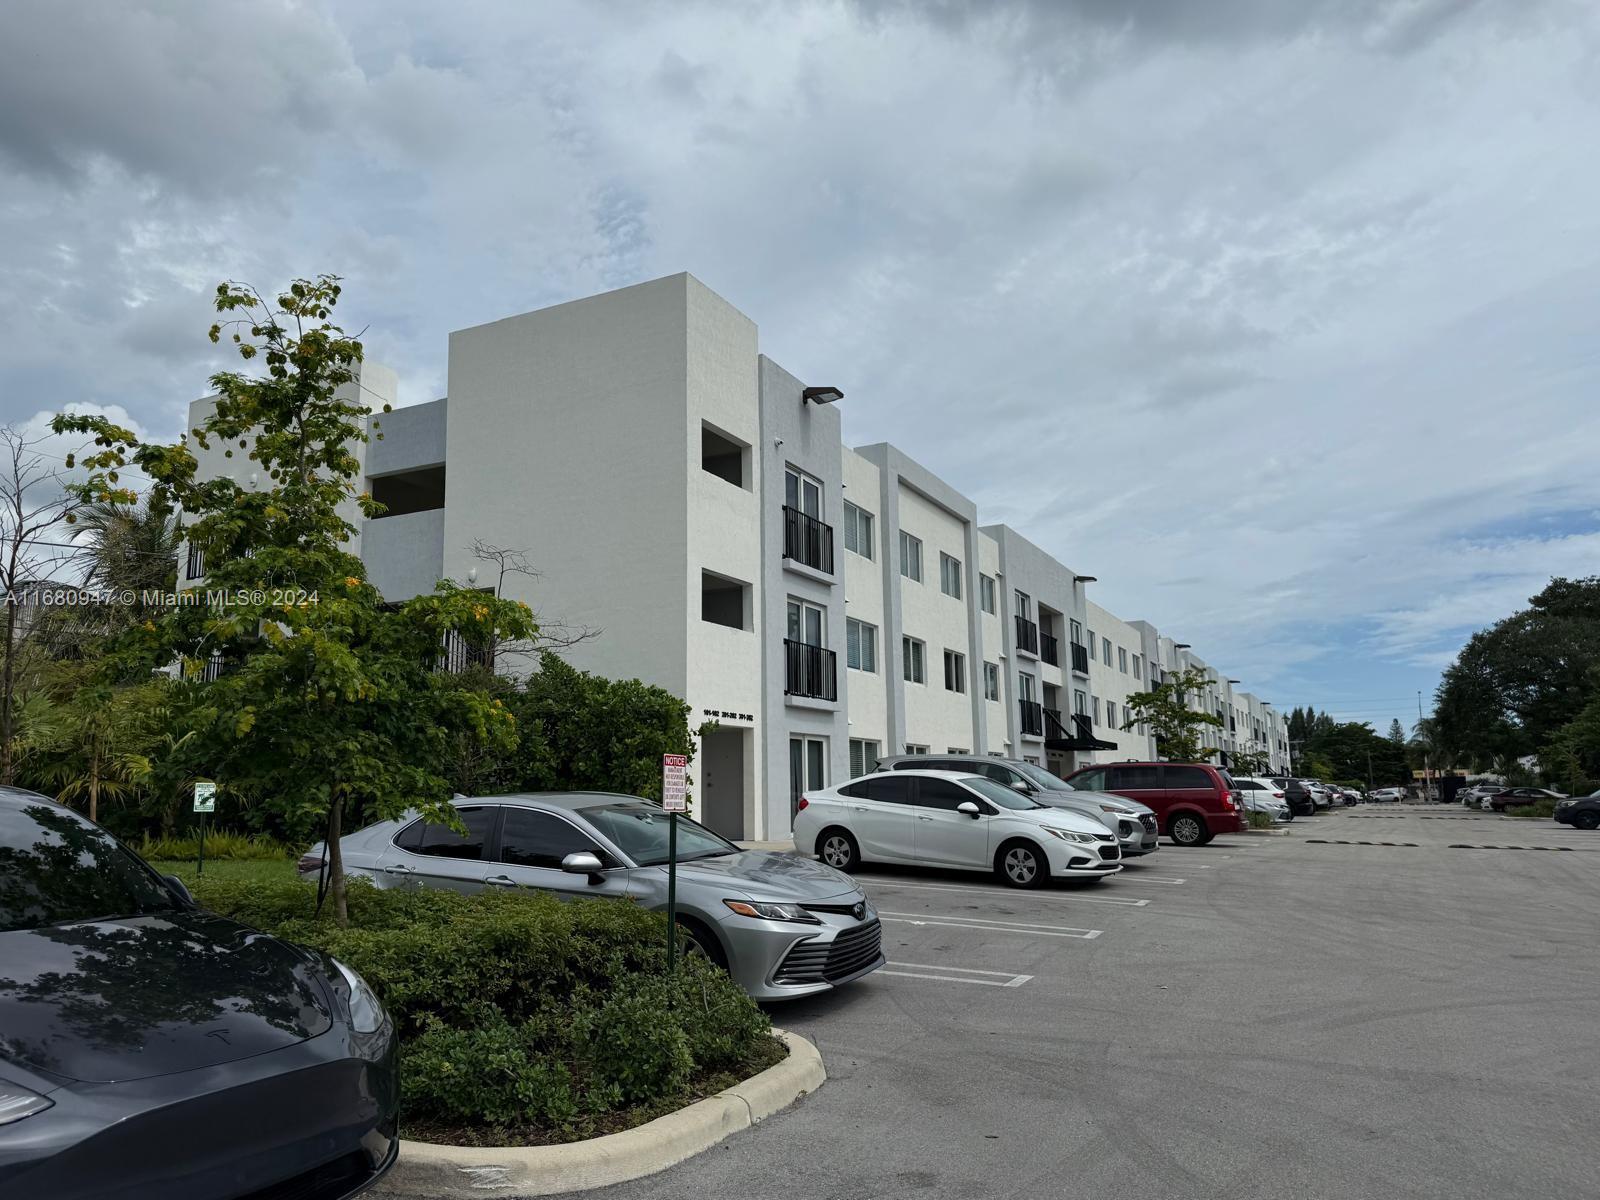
(205, 801)
(674, 798)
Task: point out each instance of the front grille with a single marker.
(1106, 837)
(1110, 853)
(1148, 820)
(338, 1178)
(838, 910)
(818, 962)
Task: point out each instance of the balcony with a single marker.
(807, 540)
(1080, 659)
(810, 671)
(1053, 718)
(1050, 649)
(1032, 713)
(1027, 636)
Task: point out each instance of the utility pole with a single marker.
(1427, 771)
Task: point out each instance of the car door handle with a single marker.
(920, 817)
(502, 880)
(859, 807)
(400, 870)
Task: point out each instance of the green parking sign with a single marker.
(205, 797)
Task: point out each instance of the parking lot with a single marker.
(1304, 1016)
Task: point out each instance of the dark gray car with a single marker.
(782, 926)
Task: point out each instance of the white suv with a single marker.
(952, 819)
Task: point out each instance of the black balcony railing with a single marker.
(810, 671)
(1032, 717)
(1049, 649)
(1027, 635)
(1052, 718)
(807, 540)
(1080, 659)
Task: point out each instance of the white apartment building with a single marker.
(693, 502)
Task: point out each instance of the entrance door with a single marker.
(722, 759)
(807, 761)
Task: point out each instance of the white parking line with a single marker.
(1125, 902)
(954, 922)
(1003, 978)
(1127, 878)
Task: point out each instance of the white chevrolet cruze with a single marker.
(952, 819)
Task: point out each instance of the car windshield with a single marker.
(56, 868)
(641, 832)
(999, 793)
(1041, 778)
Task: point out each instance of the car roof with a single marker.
(568, 800)
(897, 758)
(932, 772)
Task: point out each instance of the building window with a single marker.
(910, 556)
(1138, 668)
(857, 530)
(1024, 606)
(986, 597)
(720, 455)
(916, 748)
(1091, 644)
(196, 566)
(1095, 705)
(807, 624)
(1077, 632)
(949, 575)
(1122, 660)
(1080, 702)
(1105, 647)
(991, 681)
(808, 762)
(724, 601)
(915, 665)
(955, 671)
(802, 492)
(1111, 714)
(1025, 685)
(864, 756)
(861, 645)
(958, 750)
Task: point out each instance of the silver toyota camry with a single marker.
(782, 926)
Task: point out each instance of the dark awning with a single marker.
(1082, 738)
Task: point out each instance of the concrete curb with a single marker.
(447, 1172)
(1268, 832)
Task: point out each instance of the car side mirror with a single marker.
(968, 807)
(581, 862)
(180, 890)
(1023, 786)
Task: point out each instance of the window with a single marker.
(885, 789)
(724, 601)
(806, 624)
(1134, 779)
(196, 566)
(1091, 643)
(405, 492)
(864, 756)
(643, 831)
(991, 681)
(440, 841)
(910, 556)
(914, 748)
(802, 492)
(807, 768)
(1080, 702)
(1188, 777)
(861, 644)
(857, 530)
(1024, 606)
(1095, 703)
(959, 750)
(955, 671)
(1122, 660)
(986, 597)
(1090, 781)
(1105, 648)
(1077, 632)
(1111, 714)
(1138, 668)
(1025, 685)
(541, 839)
(942, 793)
(915, 669)
(720, 455)
(949, 575)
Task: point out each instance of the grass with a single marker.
(266, 870)
(1539, 808)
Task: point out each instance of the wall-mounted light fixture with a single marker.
(821, 395)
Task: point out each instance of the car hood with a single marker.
(1096, 799)
(767, 875)
(114, 1000)
(1060, 818)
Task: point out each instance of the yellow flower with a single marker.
(351, 581)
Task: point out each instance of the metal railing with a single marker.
(810, 671)
(1032, 714)
(1049, 649)
(1080, 658)
(807, 540)
(457, 654)
(1027, 635)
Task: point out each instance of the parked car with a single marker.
(1521, 797)
(149, 1048)
(1320, 795)
(952, 819)
(1300, 802)
(1134, 824)
(1389, 795)
(1262, 795)
(1193, 801)
(1474, 795)
(1582, 812)
(781, 926)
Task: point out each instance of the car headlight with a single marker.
(1066, 835)
(17, 1102)
(1120, 811)
(769, 911)
(366, 1010)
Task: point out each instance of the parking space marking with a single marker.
(1013, 894)
(1002, 978)
(1125, 877)
(989, 924)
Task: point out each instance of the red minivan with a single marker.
(1193, 801)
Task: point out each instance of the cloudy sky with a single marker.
(1279, 318)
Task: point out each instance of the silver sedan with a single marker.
(782, 926)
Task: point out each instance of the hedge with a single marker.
(519, 1012)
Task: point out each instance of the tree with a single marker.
(95, 746)
(1164, 709)
(1572, 754)
(1353, 750)
(1397, 733)
(330, 703)
(35, 504)
(1249, 762)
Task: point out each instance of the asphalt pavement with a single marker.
(1265, 1018)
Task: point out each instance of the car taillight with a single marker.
(1277, 795)
(309, 863)
(804, 800)
(1227, 802)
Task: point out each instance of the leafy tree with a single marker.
(1353, 750)
(330, 703)
(1164, 709)
(1248, 762)
(94, 745)
(1572, 754)
(1397, 733)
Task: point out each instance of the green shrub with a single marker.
(1259, 820)
(1539, 808)
(516, 1009)
(219, 845)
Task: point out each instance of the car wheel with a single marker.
(695, 941)
(839, 850)
(1587, 820)
(1022, 865)
(1189, 829)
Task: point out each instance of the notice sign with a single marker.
(205, 797)
(675, 782)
